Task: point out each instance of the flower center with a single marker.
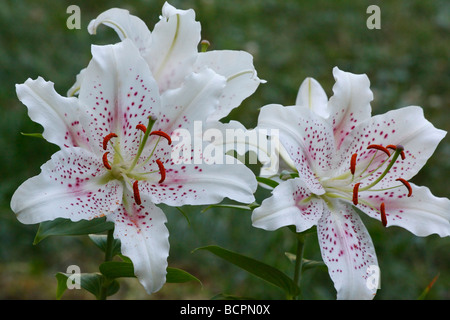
(357, 179)
(132, 172)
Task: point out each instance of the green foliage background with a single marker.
(407, 62)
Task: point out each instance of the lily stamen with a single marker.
(105, 160)
(107, 138)
(355, 193)
(407, 185)
(379, 147)
(137, 196)
(353, 163)
(383, 215)
(162, 170)
(162, 134)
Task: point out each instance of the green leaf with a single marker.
(175, 275)
(66, 227)
(248, 207)
(33, 135)
(122, 269)
(257, 268)
(91, 282)
(117, 269)
(267, 181)
(100, 241)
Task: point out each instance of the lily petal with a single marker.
(193, 102)
(144, 239)
(407, 127)
(58, 115)
(312, 96)
(350, 103)
(70, 186)
(237, 67)
(290, 204)
(348, 251)
(422, 214)
(174, 47)
(126, 25)
(118, 91)
(199, 184)
(307, 138)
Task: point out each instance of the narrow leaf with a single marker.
(257, 268)
(175, 275)
(117, 269)
(122, 269)
(267, 181)
(65, 227)
(33, 135)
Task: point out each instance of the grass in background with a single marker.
(407, 62)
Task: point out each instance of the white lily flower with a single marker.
(115, 158)
(344, 158)
(171, 51)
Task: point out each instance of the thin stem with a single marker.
(299, 259)
(108, 257)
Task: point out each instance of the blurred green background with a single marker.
(407, 62)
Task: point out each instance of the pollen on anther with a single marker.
(162, 170)
(105, 160)
(353, 163)
(383, 215)
(407, 185)
(162, 134)
(107, 138)
(355, 193)
(137, 196)
(141, 127)
(379, 147)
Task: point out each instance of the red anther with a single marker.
(402, 154)
(383, 215)
(391, 146)
(107, 138)
(353, 163)
(141, 127)
(137, 196)
(162, 170)
(105, 160)
(355, 193)
(407, 185)
(379, 147)
(162, 134)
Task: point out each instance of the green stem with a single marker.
(108, 257)
(299, 259)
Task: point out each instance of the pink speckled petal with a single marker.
(70, 185)
(198, 184)
(422, 213)
(407, 127)
(237, 67)
(348, 251)
(307, 138)
(59, 116)
(119, 92)
(312, 96)
(174, 47)
(144, 239)
(285, 207)
(126, 25)
(350, 103)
